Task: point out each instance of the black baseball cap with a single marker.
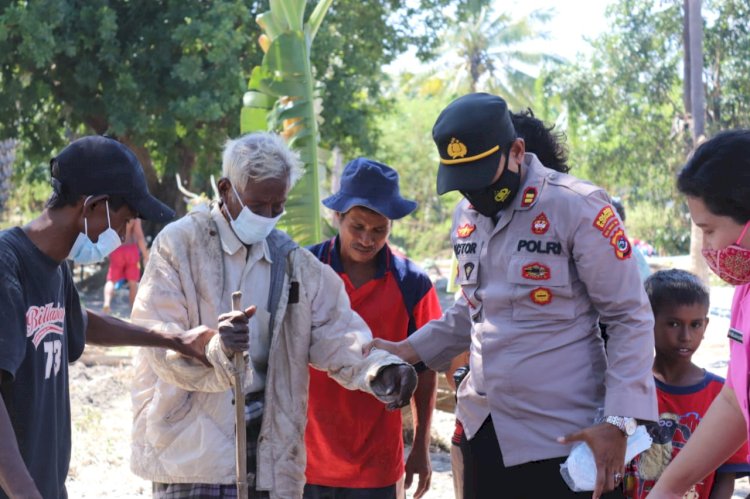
(96, 164)
(471, 134)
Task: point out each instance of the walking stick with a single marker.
(239, 412)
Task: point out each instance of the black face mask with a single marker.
(491, 199)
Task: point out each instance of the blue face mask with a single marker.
(249, 227)
(85, 251)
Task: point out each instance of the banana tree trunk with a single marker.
(280, 98)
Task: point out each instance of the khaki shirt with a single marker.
(534, 287)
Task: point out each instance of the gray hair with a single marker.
(259, 156)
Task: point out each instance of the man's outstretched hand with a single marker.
(395, 385)
(193, 343)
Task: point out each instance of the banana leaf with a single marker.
(280, 98)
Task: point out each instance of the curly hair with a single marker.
(548, 146)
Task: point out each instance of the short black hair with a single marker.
(718, 173)
(540, 139)
(675, 287)
(62, 196)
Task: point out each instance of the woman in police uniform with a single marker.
(543, 258)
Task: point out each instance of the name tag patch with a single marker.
(735, 335)
(465, 249)
(533, 246)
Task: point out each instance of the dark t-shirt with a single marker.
(43, 329)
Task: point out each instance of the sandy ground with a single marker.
(102, 416)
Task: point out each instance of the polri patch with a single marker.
(536, 272)
(529, 196)
(620, 243)
(603, 217)
(612, 225)
(735, 335)
(540, 225)
(465, 230)
(541, 296)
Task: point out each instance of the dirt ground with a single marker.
(100, 400)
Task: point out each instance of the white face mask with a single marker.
(249, 227)
(85, 251)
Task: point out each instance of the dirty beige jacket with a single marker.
(535, 286)
(183, 428)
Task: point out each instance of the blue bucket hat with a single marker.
(373, 185)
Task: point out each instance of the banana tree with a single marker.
(280, 98)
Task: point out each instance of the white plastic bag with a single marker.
(579, 470)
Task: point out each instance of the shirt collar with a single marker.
(230, 243)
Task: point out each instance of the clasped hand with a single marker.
(234, 333)
(395, 384)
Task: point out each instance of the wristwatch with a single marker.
(624, 424)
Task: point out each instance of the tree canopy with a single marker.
(168, 77)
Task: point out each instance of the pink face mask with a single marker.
(732, 263)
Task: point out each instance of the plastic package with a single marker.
(579, 470)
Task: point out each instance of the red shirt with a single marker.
(681, 408)
(352, 440)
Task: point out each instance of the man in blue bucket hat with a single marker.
(395, 298)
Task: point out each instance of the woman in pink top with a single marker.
(716, 181)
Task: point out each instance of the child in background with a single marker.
(685, 391)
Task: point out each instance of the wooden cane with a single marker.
(239, 412)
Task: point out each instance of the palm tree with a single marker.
(491, 53)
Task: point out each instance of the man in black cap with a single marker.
(98, 186)
(368, 461)
(542, 257)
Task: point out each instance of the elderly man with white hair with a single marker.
(183, 430)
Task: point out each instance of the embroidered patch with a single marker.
(456, 148)
(529, 196)
(465, 230)
(603, 217)
(620, 243)
(536, 272)
(612, 225)
(541, 296)
(468, 269)
(735, 335)
(540, 225)
(502, 194)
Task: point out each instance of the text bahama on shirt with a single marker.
(43, 330)
(352, 440)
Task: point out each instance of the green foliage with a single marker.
(727, 65)
(280, 98)
(406, 145)
(167, 77)
(627, 123)
(491, 55)
(626, 117)
(356, 42)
